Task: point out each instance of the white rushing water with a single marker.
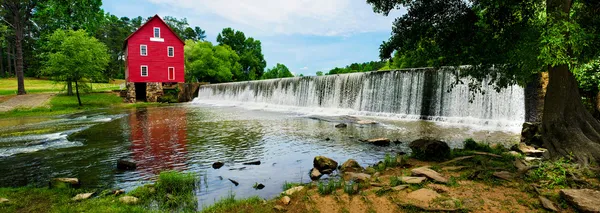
(404, 94)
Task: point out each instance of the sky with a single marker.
(305, 35)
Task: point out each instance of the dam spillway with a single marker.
(425, 94)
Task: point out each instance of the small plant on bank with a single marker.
(553, 174)
(352, 187)
(395, 181)
(176, 190)
(289, 185)
(326, 188)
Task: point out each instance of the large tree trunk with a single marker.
(69, 88)
(8, 58)
(77, 89)
(569, 130)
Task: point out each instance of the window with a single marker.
(156, 32)
(171, 73)
(143, 50)
(171, 51)
(144, 70)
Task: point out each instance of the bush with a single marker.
(329, 187)
(553, 174)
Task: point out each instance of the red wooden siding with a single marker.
(157, 58)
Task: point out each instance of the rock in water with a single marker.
(234, 182)
(584, 200)
(252, 163)
(324, 163)
(430, 174)
(217, 165)
(342, 125)
(64, 183)
(351, 166)
(379, 141)
(259, 186)
(315, 174)
(547, 204)
(430, 150)
(531, 134)
(82, 196)
(126, 164)
(129, 199)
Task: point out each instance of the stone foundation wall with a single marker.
(130, 92)
(153, 91)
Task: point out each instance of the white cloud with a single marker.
(304, 68)
(276, 17)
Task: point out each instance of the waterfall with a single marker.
(426, 94)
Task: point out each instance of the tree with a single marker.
(517, 39)
(250, 52)
(209, 63)
(3, 33)
(51, 15)
(200, 34)
(112, 32)
(17, 14)
(278, 71)
(74, 57)
(319, 73)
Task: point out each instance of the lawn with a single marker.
(8, 86)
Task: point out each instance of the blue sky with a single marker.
(305, 35)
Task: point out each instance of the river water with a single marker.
(190, 137)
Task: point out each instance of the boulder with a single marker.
(379, 141)
(118, 192)
(217, 165)
(126, 164)
(315, 174)
(129, 199)
(324, 163)
(358, 177)
(547, 204)
(64, 183)
(351, 166)
(83, 196)
(293, 190)
(427, 172)
(327, 171)
(259, 186)
(423, 195)
(584, 200)
(342, 125)
(412, 180)
(430, 150)
(531, 134)
(286, 200)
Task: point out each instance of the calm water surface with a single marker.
(190, 138)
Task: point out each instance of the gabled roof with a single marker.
(154, 17)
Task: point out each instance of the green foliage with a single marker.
(250, 53)
(177, 189)
(358, 67)
(230, 204)
(278, 71)
(325, 188)
(395, 181)
(209, 63)
(74, 56)
(289, 185)
(169, 96)
(552, 174)
(319, 73)
(352, 188)
(471, 145)
(588, 76)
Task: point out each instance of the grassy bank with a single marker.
(8, 86)
(471, 186)
(63, 104)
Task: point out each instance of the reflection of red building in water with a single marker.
(158, 139)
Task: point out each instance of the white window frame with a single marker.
(154, 32)
(142, 71)
(169, 77)
(168, 48)
(141, 52)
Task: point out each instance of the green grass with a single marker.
(8, 86)
(230, 204)
(63, 104)
(325, 188)
(553, 174)
(174, 191)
